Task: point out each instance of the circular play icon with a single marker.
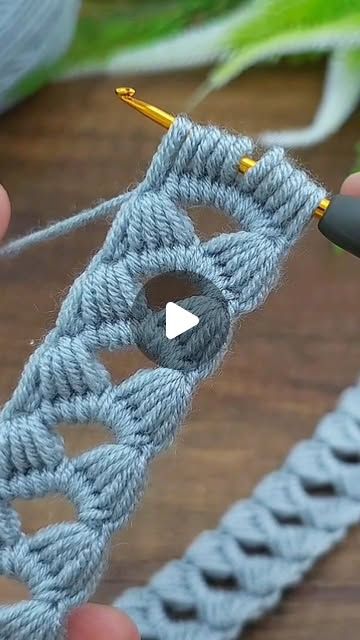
(181, 320)
(178, 320)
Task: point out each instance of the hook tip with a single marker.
(125, 92)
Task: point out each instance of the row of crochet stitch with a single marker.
(235, 574)
(65, 382)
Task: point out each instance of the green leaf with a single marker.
(274, 18)
(340, 97)
(105, 29)
(107, 26)
(278, 28)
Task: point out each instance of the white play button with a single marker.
(197, 309)
(178, 320)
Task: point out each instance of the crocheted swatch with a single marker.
(236, 573)
(65, 382)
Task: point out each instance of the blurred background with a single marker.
(285, 72)
(55, 40)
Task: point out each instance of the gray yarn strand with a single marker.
(65, 381)
(33, 34)
(103, 210)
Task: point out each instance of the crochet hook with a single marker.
(339, 217)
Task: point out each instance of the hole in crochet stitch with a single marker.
(210, 222)
(13, 591)
(224, 584)
(348, 458)
(169, 286)
(321, 491)
(179, 615)
(291, 521)
(256, 550)
(79, 438)
(39, 513)
(123, 365)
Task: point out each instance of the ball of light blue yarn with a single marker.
(33, 33)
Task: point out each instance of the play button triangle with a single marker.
(178, 320)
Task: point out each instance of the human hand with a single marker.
(98, 622)
(4, 211)
(351, 186)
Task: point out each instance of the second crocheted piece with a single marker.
(235, 574)
(65, 382)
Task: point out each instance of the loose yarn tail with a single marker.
(63, 227)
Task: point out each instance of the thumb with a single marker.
(98, 622)
(351, 186)
(4, 211)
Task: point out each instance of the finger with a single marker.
(97, 622)
(4, 211)
(351, 186)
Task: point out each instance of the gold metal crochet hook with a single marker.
(127, 94)
(154, 113)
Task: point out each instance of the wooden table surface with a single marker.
(73, 144)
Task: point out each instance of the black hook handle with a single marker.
(341, 223)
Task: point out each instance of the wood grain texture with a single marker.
(73, 144)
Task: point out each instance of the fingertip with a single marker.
(99, 622)
(5, 211)
(351, 186)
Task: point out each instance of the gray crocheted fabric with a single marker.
(235, 574)
(258, 545)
